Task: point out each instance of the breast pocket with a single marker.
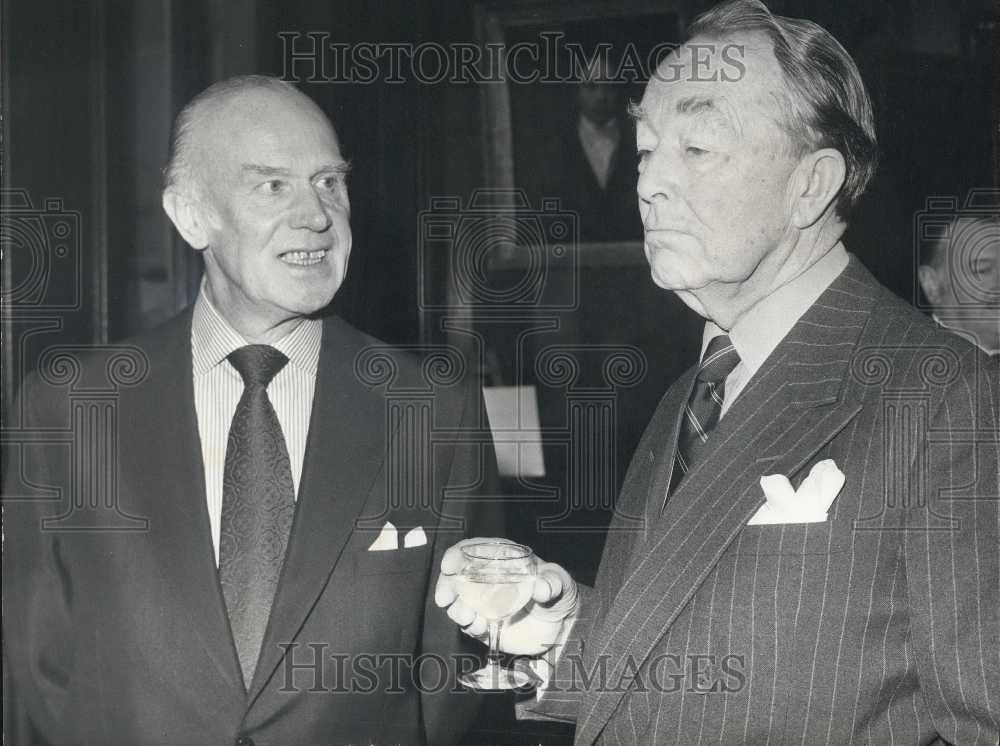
(391, 561)
(827, 537)
(393, 587)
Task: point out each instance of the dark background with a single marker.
(89, 90)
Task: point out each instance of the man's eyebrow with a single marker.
(689, 105)
(696, 105)
(259, 169)
(340, 167)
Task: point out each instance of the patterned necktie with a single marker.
(258, 501)
(704, 407)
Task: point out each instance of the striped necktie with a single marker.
(704, 407)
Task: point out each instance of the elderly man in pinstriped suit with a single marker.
(809, 607)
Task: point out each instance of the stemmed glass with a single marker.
(496, 581)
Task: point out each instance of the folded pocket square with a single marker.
(415, 537)
(767, 516)
(808, 504)
(387, 539)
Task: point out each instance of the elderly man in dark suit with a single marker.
(818, 556)
(277, 591)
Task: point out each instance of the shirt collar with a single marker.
(213, 339)
(761, 329)
(590, 132)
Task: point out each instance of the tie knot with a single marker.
(258, 364)
(719, 360)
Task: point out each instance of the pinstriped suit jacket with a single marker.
(878, 626)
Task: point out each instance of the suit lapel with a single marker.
(664, 448)
(791, 408)
(345, 451)
(180, 533)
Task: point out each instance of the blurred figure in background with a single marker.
(961, 279)
(591, 166)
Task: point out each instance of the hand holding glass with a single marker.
(496, 581)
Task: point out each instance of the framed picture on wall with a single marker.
(557, 137)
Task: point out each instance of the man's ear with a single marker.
(819, 180)
(930, 281)
(187, 217)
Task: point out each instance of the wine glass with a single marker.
(496, 581)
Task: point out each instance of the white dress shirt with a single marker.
(761, 329)
(218, 388)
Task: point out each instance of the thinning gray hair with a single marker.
(179, 171)
(827, 105)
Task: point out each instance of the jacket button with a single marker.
(244, 741)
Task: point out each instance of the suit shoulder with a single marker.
(441, 369)
(920, 355)
(99, 366)
(905, 326)
(369, 353)
(172, 328)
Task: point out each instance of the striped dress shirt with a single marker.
(218, 388)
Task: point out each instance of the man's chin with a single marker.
(311, 300)
(668, 279)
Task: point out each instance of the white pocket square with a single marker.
(415, 537)
(808, 504)
(387, 539)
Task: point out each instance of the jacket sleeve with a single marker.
(37, 594)
(953, 574)
(560, 696)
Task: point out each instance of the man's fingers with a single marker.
(461, 614)
(445, 592)
(451, 561)
(549, 583)
(477, 628)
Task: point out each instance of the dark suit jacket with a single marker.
(879, 625)
(115, 628)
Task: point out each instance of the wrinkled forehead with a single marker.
(738, 71)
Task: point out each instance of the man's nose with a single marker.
(655, 179)
(311, 212)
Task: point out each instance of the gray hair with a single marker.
(827, 106)
(179, 172)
